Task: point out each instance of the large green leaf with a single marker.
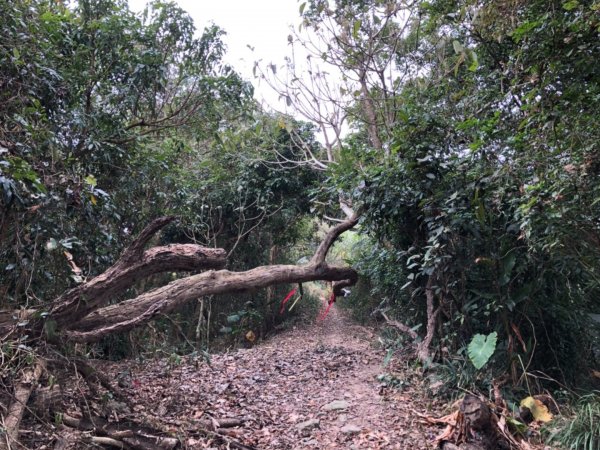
(482, 348)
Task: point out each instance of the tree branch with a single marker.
(399, 326)
(138, 311)
(23, 389)
(134, 252)
(332, 235)
(80, 301)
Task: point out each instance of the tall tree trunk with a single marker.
(270, 291)
(370, 114)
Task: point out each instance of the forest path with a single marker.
(283, 390)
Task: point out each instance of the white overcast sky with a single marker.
(262, 24)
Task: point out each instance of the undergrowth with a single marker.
(582, 430)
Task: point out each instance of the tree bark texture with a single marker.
(423, 349)
(134, 265)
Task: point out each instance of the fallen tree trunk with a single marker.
(135, 312)
(81, 314)
(134, 265)
(138, 311)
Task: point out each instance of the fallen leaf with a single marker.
(539, 411)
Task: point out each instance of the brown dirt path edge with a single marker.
(280, 384)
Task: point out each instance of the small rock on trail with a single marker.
(308, 424)
(350, 429)
(336, 405)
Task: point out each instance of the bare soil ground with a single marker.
(317, 386)
(282, 390)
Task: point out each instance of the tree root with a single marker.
(93, 376)
(476, 425)
(128, 435)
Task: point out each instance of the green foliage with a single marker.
(457, 373)
(481, 348)
(484, 191)
(490, 193)
(582, 432)
(86, 90)
(242, 321)
(392, 381)
(109, 119)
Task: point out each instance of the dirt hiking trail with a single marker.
(313, 387)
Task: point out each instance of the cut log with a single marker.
(215, 424)
(98, 440)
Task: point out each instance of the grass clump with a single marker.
(582, 432)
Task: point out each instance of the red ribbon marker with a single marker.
(331, 302)
(285, 300)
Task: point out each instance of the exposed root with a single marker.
(128, 435)
(133, 436)
(476, 425)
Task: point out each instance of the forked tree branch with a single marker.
(330, 238)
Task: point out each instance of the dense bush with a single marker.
(489, 194)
